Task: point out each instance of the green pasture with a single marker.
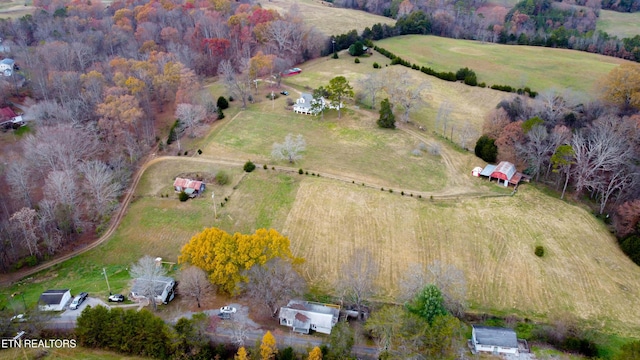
(352, 146)
(64, 354)
(619, 24)
(469, 104)
(539, 68)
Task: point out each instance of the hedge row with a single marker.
(467, 75)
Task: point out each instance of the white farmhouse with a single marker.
(54, 300)
(7, 66)
(495, 340)
(303, 316)
(164, 288)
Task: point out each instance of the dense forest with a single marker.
(99, 76)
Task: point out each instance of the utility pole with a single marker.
(215, 213)
(104, 271)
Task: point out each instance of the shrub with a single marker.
(231, 98)
(275, 96)
(173, 135)
(249, 166)
(220, 114)
(290, 102)
(357, 61)
(186, 153)
(265, 166)
(222, 178)
(183, 196)
(416, 152)
(273, 168)
(199, 152)
(335, 55)
(222, 103)
(539, 251)
(250, 98)
(300, 171)
(486, 149)
(376, 65)
(390, 190)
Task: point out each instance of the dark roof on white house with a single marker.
(52, 297)
(496, 336)
(159, 284)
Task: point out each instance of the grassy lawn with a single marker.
(469, 104)
(352, 146)
(328, 19)
(537, 67)
(619, 24)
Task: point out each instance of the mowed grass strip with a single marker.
(620, 24)
(352, 146)
(492, 240)
(539, 68)
(328, 19)
(53, 353)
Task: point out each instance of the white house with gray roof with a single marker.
(495, 340)
(304, 105)
(303, 316)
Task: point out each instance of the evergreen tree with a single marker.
(387, 120)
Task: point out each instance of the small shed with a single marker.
(495, 340)
(192, 187)
(54, 300)
(476, 171)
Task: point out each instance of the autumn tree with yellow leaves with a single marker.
(268, 349)
(622, 86)
(315, 354)
(242, 354)
(225, 257)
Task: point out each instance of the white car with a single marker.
(228, 310)
(19, 318)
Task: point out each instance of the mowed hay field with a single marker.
(492, 240)
(328, 19)
(537, 67)
(619, 24)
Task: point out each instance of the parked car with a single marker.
(228, 310)
(116, 298)
(78, 300)
(284, 92)
(19, 318)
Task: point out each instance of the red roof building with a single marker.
(191, 187)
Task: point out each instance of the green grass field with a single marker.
(62, 354)
(619, 24)
(537, 67)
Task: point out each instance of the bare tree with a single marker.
(467, 133)
(290, 149)
(237, 85)
(191, 114)
(356, 283)
(443, 116)
(406, 94)
(25, 220)
(413, 280)
(17, 176)
(371, 85)
(61, 187)
(273, 284)
(453, 285)
(101, 185)
(147, 272)
(195, 283)
(537, 149)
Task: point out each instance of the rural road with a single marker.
(453, 190)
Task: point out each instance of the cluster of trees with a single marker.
(591, 147)
(99, 76)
